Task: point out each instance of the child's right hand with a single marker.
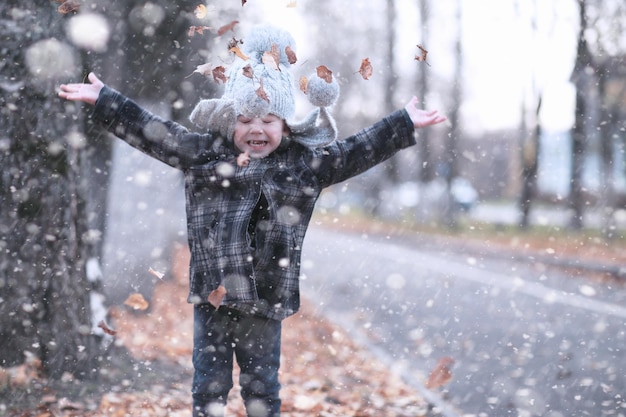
(87, 92)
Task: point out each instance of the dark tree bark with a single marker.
(581, 79)
(530, 165)
(44, 291)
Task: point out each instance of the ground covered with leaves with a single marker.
(323, 372)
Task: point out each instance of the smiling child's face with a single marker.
(258, 136)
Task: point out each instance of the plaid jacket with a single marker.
(246, 225)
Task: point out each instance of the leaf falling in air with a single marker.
(247, 71)
(423, 56)
(137, 302)
(261, 92)
(219, 74)
(303, 83)
(157, 274)
(291, 55)
(366, 69)
(325, 74)
(68, 6)
(105, 328)
(441, 373)
(235, 50)
(227, 27)
(197, 29)
(203, 69)
(200, 11)
(243, 2)
(272, 57)
(291, 4)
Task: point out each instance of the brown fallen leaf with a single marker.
(137, 302)
(366, 69)
(441, 373)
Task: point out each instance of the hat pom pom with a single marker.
(320, 92)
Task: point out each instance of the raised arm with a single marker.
(86, 92)
(423, 118)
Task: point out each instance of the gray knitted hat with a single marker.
(259, 85)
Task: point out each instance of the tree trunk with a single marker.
(581, 78)
(45, 306)
(530, 165)
(426, 170)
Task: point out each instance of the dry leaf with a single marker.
(203, 69)
(219, 74)
(261, 92)
(325, 74)
(423, 56)
(226, 28)
(137, 302)
(441, 374)
(106, 328)
(247, 71)
(291, 55)
(291, 4)
(235, 50)
(157, 274)
(366, 69)
(68, 6)
(303, 82)
(234, 42)
(243, 2)
(197, 29)
(272, 58)
(200, 11)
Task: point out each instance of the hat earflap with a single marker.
(217, 114)
(318, 127)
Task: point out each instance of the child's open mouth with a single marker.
(257, 143)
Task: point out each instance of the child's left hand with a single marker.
(423, 118)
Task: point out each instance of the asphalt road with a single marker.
(527, 339)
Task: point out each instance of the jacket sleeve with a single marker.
(356, 154)
(164, 140)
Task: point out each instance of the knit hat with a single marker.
(262, 84)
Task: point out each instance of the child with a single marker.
(251, 183)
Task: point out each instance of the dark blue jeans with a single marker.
(254, 342)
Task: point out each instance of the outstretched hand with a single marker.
(423, 118)
(86, 92)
